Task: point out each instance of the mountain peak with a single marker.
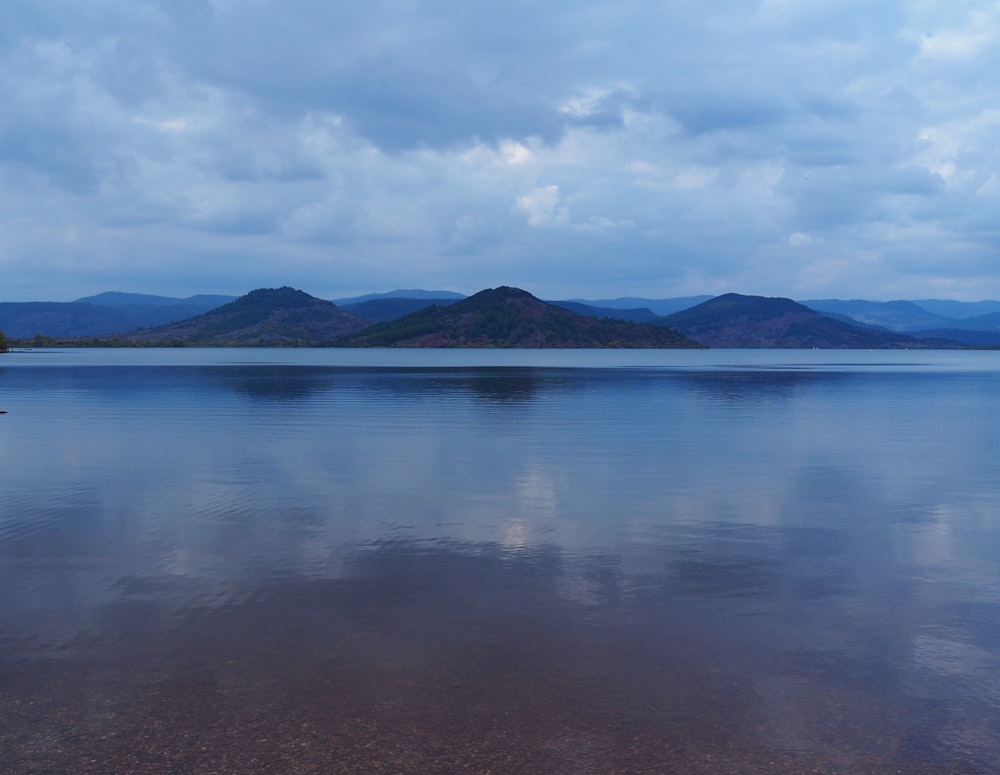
(503, 292)
(758, 304)
(283, 295)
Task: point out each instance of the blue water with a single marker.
(520, 560)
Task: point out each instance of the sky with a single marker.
(574, 148)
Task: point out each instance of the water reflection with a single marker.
(535, 645)
(523, 569)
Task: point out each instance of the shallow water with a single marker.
(551, 561)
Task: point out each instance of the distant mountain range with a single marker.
(911, 315)
(202, 302)
(105, 314)
(974, 323)
(410, 293)
(390, 308)
(287, 316)
(659, 307)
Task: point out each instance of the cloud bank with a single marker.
(834, 148)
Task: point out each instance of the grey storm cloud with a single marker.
(830, 148)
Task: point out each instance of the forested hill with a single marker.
(734, 320)
(511, 317)
(267, 316)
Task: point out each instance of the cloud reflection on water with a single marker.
(798, 536)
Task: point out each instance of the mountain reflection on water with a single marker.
(322, 568)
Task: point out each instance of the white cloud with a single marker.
(542, 207)
(170, 125)
(586, 104)
(978, 32)
(515, 153)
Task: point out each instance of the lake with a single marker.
(321, 561)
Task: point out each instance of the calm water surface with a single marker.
(507, 561)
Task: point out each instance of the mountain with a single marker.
(733, 320)
(924, 318)
(412, 293)
(658, 306)
(392, 308)
(633, 315)
(204, 302)
(23, 319)
(987, 322)
(940, 322)
(102, 315)
(510, 317)
(267, 316)
(958, 310)
(893, 315)
(969, 338)
(977, 331)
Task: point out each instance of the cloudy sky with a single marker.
(575, 148)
